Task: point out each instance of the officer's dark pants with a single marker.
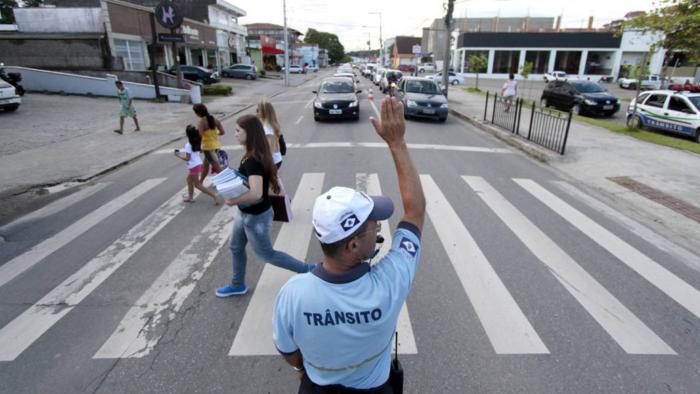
(309, 387)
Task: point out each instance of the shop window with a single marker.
(131, 53)
(505, 62)
(539, 60)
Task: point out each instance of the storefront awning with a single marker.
(272, 51)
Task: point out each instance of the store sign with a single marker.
(168, 15)
(190, 31)
(267, 42)
(171, 37)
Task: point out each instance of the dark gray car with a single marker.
(421, 97)
(246, 71)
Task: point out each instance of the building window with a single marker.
(131, 53)
(469, 54)
(539, 60)
(505, 62)
(599, 63)
(568, 61)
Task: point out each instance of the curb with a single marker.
(511, 139)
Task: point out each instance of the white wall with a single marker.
(55, 82)
(59, 20)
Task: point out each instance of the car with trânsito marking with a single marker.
(667, 110)
(421, 97)
(337, 98)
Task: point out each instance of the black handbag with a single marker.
(283, 145)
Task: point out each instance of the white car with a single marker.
(346, 75)
(648, 83)
(454, 79)
(668, 110)
(9, 100)
(369, 68)
(427, 67)
(295, 69)
(378, 76)
(555, 76)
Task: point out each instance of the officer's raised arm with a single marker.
(392, 129)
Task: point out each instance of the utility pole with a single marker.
(448, 34)
(151, 53)
(286, 45)
(381, 43)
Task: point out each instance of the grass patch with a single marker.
(649, 136)
(472, 89)
(217, 89)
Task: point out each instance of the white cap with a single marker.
(339, 212)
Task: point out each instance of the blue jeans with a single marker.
(256, 229)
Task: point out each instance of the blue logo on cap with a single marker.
(408, 245)
(349, 222)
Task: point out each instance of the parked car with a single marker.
(389, 75)
(555, 76)
(427, 68)
(581, 97)
(9, 100)
(650, 82)
(453, 78)
(197, 74)
(295, 69)
(369, 68)
(676, 112)
(378, 76)
(346, 75)
(407, 68)
(246, 71)
(422, 97)
(337, 98)
(312, 68)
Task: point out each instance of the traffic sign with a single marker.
(416, 49)
(163, 37)
(168, 15)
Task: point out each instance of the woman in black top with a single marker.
(255, 216)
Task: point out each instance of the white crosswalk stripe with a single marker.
(407, 341)
(680, 291)
(138, 332)
(254, 336)
(506, 326)
(30, 258)
(621, 324)
(21, 332)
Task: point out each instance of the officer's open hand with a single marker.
(392, 126)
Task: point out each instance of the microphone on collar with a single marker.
(380, 240)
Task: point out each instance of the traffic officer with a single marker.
(335, 324)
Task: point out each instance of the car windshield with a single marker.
(588, 87)
(696, 101)
(336, 87)
(426, 87)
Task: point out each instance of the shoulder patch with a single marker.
(408, 245)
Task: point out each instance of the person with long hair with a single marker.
(255, 217)
(273, 131)
(194, 164)
(209, 129)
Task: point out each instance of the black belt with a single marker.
(309, 387)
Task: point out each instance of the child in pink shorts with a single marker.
(194, 164)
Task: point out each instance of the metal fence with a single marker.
(548, 128)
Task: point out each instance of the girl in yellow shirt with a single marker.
(210, 129)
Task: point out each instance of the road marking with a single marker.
(56, 206)
(619, 322)
(376, 111)
(682, 254)
(407, 341)
(28, 259)
(254, 336)
(308, 105)
(299, 120)
(141, 328)
(375, 145)
(674, 287)
(21, 332)
(505, 324)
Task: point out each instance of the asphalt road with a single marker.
(522, 287)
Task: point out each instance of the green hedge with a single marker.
(217, 89)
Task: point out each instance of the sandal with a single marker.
(187, 199)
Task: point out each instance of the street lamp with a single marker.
(381, 43)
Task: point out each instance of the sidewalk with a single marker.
(654, 185)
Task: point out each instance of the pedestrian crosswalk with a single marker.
(506, 325)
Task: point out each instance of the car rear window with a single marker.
(336, 87)
(588, 87)
(695, 100)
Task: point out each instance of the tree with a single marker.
(327, 41)
(525, 71)
(678, 21)
(477, 64)
(7, 16)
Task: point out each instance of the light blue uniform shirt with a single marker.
(344, 324)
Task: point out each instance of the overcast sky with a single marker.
(351, 21)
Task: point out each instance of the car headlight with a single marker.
(353, 104)
(411, 103)
(318, 104)
(443, 105)
(590, 102)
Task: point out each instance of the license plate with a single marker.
(335, 111)
(608, 106)
(429, 111)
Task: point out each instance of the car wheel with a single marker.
(316, 118)
(442, 120)
(632, 86)
(576, 109)
(12, 108)
(635, 122)
(697, 135)
(544, 103)
(455, 82)
(249, 77)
